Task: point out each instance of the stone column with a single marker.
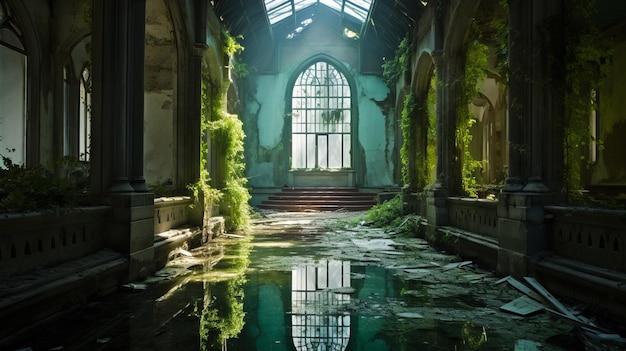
(521, 224)
(135, 78)
(520, 60)
(117, 129)
(436, 199)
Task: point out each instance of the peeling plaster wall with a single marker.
(159, 103)
(265, 116)
(373, 134)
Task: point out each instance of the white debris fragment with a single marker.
(411, 315)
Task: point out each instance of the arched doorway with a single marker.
(13, 59)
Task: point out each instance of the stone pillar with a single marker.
(521, 231)
(117, 130)
(436, 198)
(520, 36)
(135, 78)
(521, 224)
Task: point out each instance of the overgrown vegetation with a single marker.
(232, 48)
(394, 68)
(389, 215)
(407, 124)
(41, 188)
(475, 72)
(587, 62)
(224, 131)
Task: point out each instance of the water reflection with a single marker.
(325, 305)
(316, 293)
(228, 299)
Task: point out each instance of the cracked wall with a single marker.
(267, 123)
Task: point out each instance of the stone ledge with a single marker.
(32, 300)
(598, 287)
(481, 248)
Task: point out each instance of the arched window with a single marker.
(84, 118)
(321, 119)
(77, 103)
(12, 87)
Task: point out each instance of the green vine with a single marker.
(587, 63)
(399, 64)
(233, 49)
(475, 72)
(407, 124)
(431, 134)
(225, 130)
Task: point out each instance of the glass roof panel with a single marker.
(333, 4)
(357, 10)
(301, 4)
(271, 4)
(277, 10)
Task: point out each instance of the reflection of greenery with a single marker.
(221, 312)
(473, 336)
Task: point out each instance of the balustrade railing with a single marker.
(33, 241)
(170, 212)
(592, 236)
(478, 216)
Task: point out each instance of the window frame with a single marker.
(322, 110)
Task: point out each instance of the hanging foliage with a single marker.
(475, 72)
(225, 130)
(587, 62)
(407, 124)
(399, 64)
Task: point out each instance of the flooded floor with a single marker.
(309, 281)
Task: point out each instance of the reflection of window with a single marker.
(12, 88)
(321, 117)
(316, 322)
(84, 120)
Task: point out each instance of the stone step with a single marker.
(320, 199)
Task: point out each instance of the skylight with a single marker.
(278, 10)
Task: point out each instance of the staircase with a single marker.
(320, 199)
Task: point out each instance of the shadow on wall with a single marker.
(614, 160)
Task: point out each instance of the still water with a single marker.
(294, 286)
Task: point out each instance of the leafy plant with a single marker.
(387, 214)
(399, 64)
(407, 124)
(39, 188)
(226, 131)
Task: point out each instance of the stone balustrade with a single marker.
(477, 216)
(34, 241)
(171, 212)
(592, 236)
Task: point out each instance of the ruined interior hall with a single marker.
(130, 129)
